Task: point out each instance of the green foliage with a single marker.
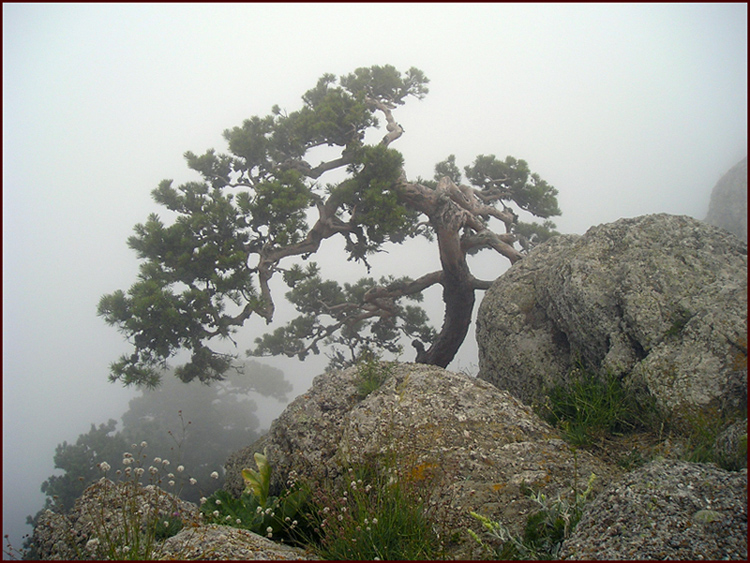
(255, 509)
(513, 181)
(589, 406)
(531, 234)
(167, 525)
(386, 84)
(375, 515)
(545, 529)
(258, 482)
(260, 203)
(371, 374)
(330, 313)
(699, 428)
(448, 168)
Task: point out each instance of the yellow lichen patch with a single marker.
(497, 487)
(421, 471)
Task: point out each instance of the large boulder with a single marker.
(666, 510)
(728, 206)
(658, 300)
(475, 446)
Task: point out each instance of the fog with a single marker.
(625, 109)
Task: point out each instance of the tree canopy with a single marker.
(261, 209)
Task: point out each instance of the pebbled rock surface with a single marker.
(80, 534)
(660, 300)
(216, 543)
(473, 446)
(665, 510)
(728, 206)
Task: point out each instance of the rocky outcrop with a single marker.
(728, 206)
(659, 300)
(216, 543)
(666, 510)
(106, 518)
(474, 445)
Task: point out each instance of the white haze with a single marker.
(626, 109)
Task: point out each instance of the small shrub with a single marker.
(255, 509)
(371, 374)
(377, 515)
(545, 530)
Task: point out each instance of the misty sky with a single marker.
(625, 109)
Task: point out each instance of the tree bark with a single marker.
(448, 219)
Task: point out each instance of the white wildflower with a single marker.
(216, 513)
(139, 471)
(153, 470)
(193, 481)
(218, 501)
(127, 461)
(92, 543)
(180, 468)
(165, 462)
(214, 475)
(157, 460)
(171, 483)
(104, 466)
(269, 529)
(238, 521)
(170, 475)
(203, 500)
(144, 444)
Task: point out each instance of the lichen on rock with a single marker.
(666, 510)
(658, 300)
(473, 447)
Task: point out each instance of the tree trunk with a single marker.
(448, 219)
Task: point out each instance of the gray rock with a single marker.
(473, 446)
(731, 446)
(216, 543)
(659, 300)
(665, 510)
(728, 206)
(105, 510)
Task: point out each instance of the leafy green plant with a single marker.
(545, 529)
(589, 406)
(256, 510)
(371, 374)
(375, 515)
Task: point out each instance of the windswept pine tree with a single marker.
(262, 210)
